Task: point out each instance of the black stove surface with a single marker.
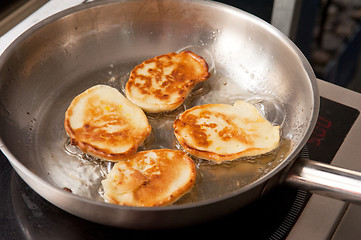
(26, 215)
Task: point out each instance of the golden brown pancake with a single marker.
(162, 83)
(106, 125)
(150, 178)
(221, 132)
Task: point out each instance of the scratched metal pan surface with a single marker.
(100, 43)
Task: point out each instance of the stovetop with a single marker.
(326, 218)
(284, 213)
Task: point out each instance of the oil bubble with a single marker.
(271, 109)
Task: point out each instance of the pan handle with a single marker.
(325, 179)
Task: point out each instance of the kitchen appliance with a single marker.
(335, 103)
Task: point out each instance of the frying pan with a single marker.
(100, 42)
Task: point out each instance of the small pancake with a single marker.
(150, 178)
(221, 132)
(162, 83)
(106, 125)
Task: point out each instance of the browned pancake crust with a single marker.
(187, 70)
(152, 186)
(90, 132)
(200, 137)
(187, 124)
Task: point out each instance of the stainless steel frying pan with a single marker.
(100, 42)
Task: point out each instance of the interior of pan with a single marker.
(100, 43)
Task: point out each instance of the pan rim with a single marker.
(50, 187)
